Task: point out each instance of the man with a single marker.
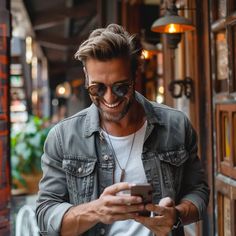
(93, 158)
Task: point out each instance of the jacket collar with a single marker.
(92, 120)
(150, 108)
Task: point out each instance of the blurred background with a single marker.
(188, 63)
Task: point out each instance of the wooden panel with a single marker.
(227, 216)
(225, 133)
(204, 102)
(231, 6)
(234, 138)
(226, 199)
(219, 213)
(4, 120)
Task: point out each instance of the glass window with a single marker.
(221, 62)
(226, 137)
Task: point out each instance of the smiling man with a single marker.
(92, 159)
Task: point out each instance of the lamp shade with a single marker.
(172, 24)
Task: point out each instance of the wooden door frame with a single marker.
(5, 29)
(203, 92)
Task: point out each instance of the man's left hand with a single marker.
(165, 216)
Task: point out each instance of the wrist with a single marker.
(178, 221)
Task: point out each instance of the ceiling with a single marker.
(59, 27)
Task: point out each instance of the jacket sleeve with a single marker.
(195, 188)
(52, 202)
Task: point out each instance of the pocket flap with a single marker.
(176, 158)
(78, 168)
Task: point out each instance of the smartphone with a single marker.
(145, 192)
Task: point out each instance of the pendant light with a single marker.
(171, 22)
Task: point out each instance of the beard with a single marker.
(114, 116)
(108, 116)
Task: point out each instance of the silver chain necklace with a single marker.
(122, 176)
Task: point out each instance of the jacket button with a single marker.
(106, 157)
(102, 231)
(80, 169)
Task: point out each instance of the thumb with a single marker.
(167, 202)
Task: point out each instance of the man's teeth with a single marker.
(112, 105)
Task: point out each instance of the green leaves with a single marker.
(27, 147)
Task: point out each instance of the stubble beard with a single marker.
(117, 117)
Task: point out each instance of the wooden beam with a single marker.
(63, 67)
(59, 43)
(52, 17)
(91, 22)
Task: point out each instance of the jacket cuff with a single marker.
(54, 222)
(198, 202)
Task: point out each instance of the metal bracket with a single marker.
(179, 87)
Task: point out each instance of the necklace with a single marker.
(122, 176)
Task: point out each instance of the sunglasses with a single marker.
(119, 89)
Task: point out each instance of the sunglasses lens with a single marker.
(97, 90)
(120, 89)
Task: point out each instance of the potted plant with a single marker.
(26, 151)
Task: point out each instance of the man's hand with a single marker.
(165, 216)
(114, 205)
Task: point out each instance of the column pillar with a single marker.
(4, 117)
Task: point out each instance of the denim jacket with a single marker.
(77, 164)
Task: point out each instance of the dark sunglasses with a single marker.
(119, 89)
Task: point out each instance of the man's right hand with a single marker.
(114, 205)
(111, 206)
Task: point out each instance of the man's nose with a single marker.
(109, 96)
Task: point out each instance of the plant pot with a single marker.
(32, 181)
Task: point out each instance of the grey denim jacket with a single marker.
(77, 164)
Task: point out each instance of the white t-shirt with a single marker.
(134, 173)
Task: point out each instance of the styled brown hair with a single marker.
(111, 42)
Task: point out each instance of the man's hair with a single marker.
(108, 43)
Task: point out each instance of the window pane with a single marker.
(221, 56)
(221, 82)
(226, 137)
(221, 8)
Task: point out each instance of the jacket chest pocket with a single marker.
(172, 165)
(80, 175)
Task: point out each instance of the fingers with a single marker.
(126, 200)
(116, 188)
(157, 209)
(109, 219)
(157, 224)
(113, 195)
(164, 217)
(167, 201)
(123, 209)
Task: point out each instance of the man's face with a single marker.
(111, 87)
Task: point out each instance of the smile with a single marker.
(111, 105)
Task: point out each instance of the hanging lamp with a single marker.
(171, 22)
